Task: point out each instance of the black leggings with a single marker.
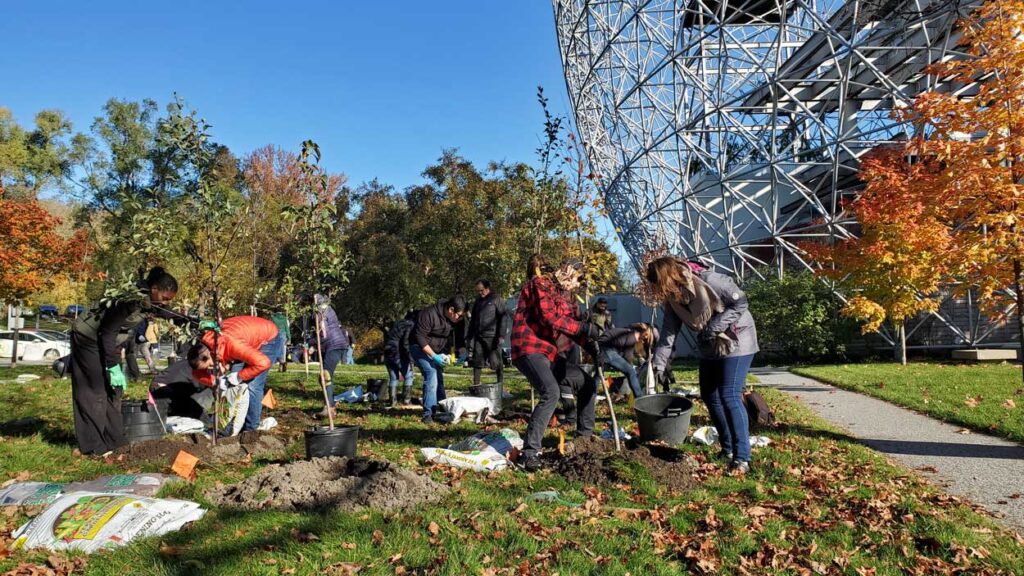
(96, 406)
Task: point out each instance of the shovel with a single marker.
(611, 407)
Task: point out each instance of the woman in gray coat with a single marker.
(715, 309)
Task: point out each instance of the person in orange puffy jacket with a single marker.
(247, 347)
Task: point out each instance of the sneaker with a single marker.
(725, 456)
(427, 419)
(739, 467)
(530, 462)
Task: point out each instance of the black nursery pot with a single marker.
(321, 441)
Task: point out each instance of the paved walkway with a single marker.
(986, 470)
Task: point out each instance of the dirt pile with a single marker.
(336, 482)
(254, 444)
(595, 461)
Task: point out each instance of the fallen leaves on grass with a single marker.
(433, 528)
(1009, 404)
(973, 401)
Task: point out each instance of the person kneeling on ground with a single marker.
(433, 327)
(247, 344)
(544, 326)
(715, 309)
(397, 359)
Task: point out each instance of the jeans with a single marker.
(615, 360)
(433, 380)
(272, 350)
(721, 389)
(348, 355)
(398, 367)
(538, 371)
(331, 360)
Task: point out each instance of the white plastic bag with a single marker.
(462, 405)
(706, 435)
(267, 423)
(350, 396)
(483, 461)
(91, 521)
(647, 382)
(759, 441)
(237, 401)
(183, 425)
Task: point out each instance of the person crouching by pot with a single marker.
(248, 345)
(715, 310)
(433, 327)
(620, 347)
(542, 327)
(97, 381)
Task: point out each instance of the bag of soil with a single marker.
(91, 521)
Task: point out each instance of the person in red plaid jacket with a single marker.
(543, 327)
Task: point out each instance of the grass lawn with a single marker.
(985, 397)
(817, 502)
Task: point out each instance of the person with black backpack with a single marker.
(397, 359)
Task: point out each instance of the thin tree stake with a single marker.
(323, 378)
(611, 407)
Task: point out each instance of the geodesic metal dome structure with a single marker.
(731, 130)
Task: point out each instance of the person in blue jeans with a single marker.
(715, 309)
(619, 348)
(334, 341)
(431, 329)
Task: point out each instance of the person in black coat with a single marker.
(488, 323)
(397, 359)
(97, 381)
(430, 334)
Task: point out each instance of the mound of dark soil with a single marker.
(595, 461)
(254, 444)
(335, 482)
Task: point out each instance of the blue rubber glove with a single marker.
(117, 379)
(440, 360)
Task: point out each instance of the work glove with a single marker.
(594, 349)
(229, 381)
(207, 325)
(440, 359)
(117, 379)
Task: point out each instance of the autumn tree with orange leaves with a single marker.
(945, 209)
(32, 253)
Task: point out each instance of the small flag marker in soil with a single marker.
(185, 465)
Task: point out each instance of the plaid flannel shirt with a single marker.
(541, 317)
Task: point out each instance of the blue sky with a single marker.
(384, 87)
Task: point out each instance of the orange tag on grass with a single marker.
(269, 402)
(185, 465)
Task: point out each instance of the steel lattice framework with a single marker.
(731, 130)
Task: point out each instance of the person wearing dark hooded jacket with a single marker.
(333, 340)
(397, 359)
(487, 325)
(97, 380)
(619, 350)
(433, 327)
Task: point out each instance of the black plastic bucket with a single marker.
(376, 387)
(141, 422)
(322, 441)
(492, 391)
(663, 417)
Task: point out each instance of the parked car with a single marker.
(50, 310)
(55, 334)
(74, 310)
(33, 346)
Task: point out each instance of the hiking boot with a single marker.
(393, 402)
(725, 456)
(427, 419)
(530, 462)
(738, 467)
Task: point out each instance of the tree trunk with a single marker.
(900, 347)
(1020, 309)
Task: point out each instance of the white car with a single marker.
(34, 346)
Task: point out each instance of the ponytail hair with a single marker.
(535, 266)
(161, 279)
